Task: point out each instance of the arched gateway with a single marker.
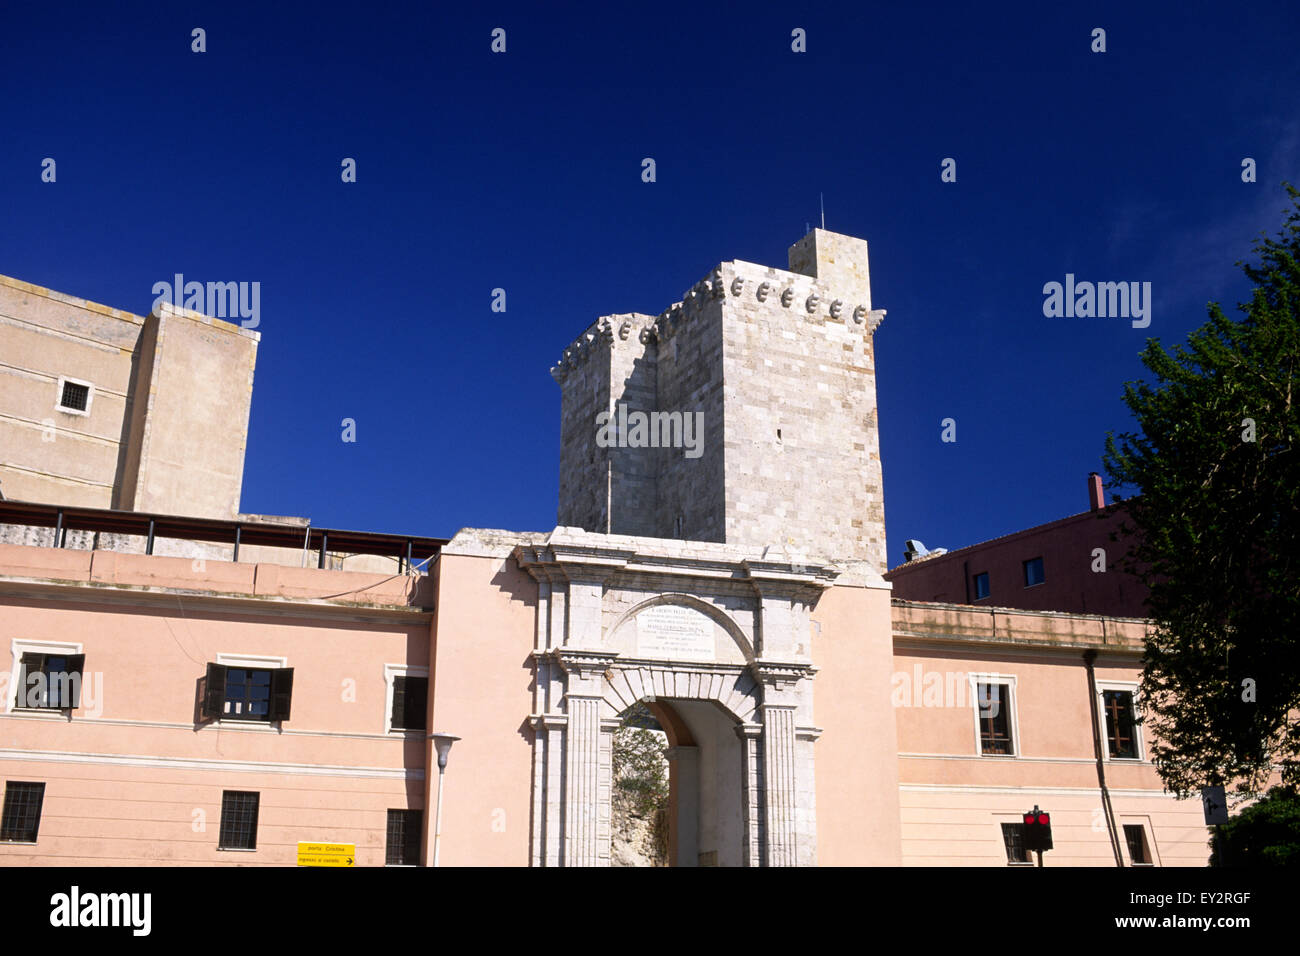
(717, 639)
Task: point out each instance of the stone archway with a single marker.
(714, 758)
(712, 629)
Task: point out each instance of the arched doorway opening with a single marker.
(694, 814)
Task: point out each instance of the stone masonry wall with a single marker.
(781, 365)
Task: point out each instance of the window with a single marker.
(75, 396)
(981, 586)
(410, 695)
(50, 681)
(247, 693)
(238, 820)
(404, 832)
(1034, 572)
(22, 812)
(1013, 838)
(1121, 741)
(1136, 837)
(993, 709)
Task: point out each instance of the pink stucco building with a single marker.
(238, 695)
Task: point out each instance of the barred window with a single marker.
(74, 396)
(238, 820)
(22, 811)
(404, 831)
(1013, 838)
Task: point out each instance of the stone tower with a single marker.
(777, 370)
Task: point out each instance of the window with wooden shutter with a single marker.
(410, 700)
(214, 692)
(281, 693)
(50, 681)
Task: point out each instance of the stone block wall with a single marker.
(780, 365)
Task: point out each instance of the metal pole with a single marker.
(437, 818)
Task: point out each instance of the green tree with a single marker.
(1266, 833)
(1215, 527)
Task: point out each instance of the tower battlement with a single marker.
(780, 365)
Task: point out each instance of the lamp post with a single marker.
(443, 743)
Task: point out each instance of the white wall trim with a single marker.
(1060, 791)
(223, 766)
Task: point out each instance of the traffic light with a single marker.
(1038, 829)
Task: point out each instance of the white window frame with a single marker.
(1140, 744)
(1018, 819)
(1010, 680)
(251, 662)
(21, 646)
(392, 671)
(58, 398)
(1148, 834)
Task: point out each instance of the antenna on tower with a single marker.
(822, 197)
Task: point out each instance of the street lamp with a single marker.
(443, 743)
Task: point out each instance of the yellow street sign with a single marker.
(327, 854)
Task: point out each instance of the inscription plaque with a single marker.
(673, 631)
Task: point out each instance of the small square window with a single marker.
(981, 586)
(410, 699)
(1013, 838)
(238, 820)
(1034, 572)
(74, 396)
(22, 811)
(1136, 837)
(404, 832)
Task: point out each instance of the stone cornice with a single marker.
(585, 662)
(781, 675)
(576, 555)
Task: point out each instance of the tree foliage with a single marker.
(1215, 517)
(1266, 833)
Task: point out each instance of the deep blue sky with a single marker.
(522, 171)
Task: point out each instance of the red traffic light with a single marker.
(1029, 819)
(1044, 819)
